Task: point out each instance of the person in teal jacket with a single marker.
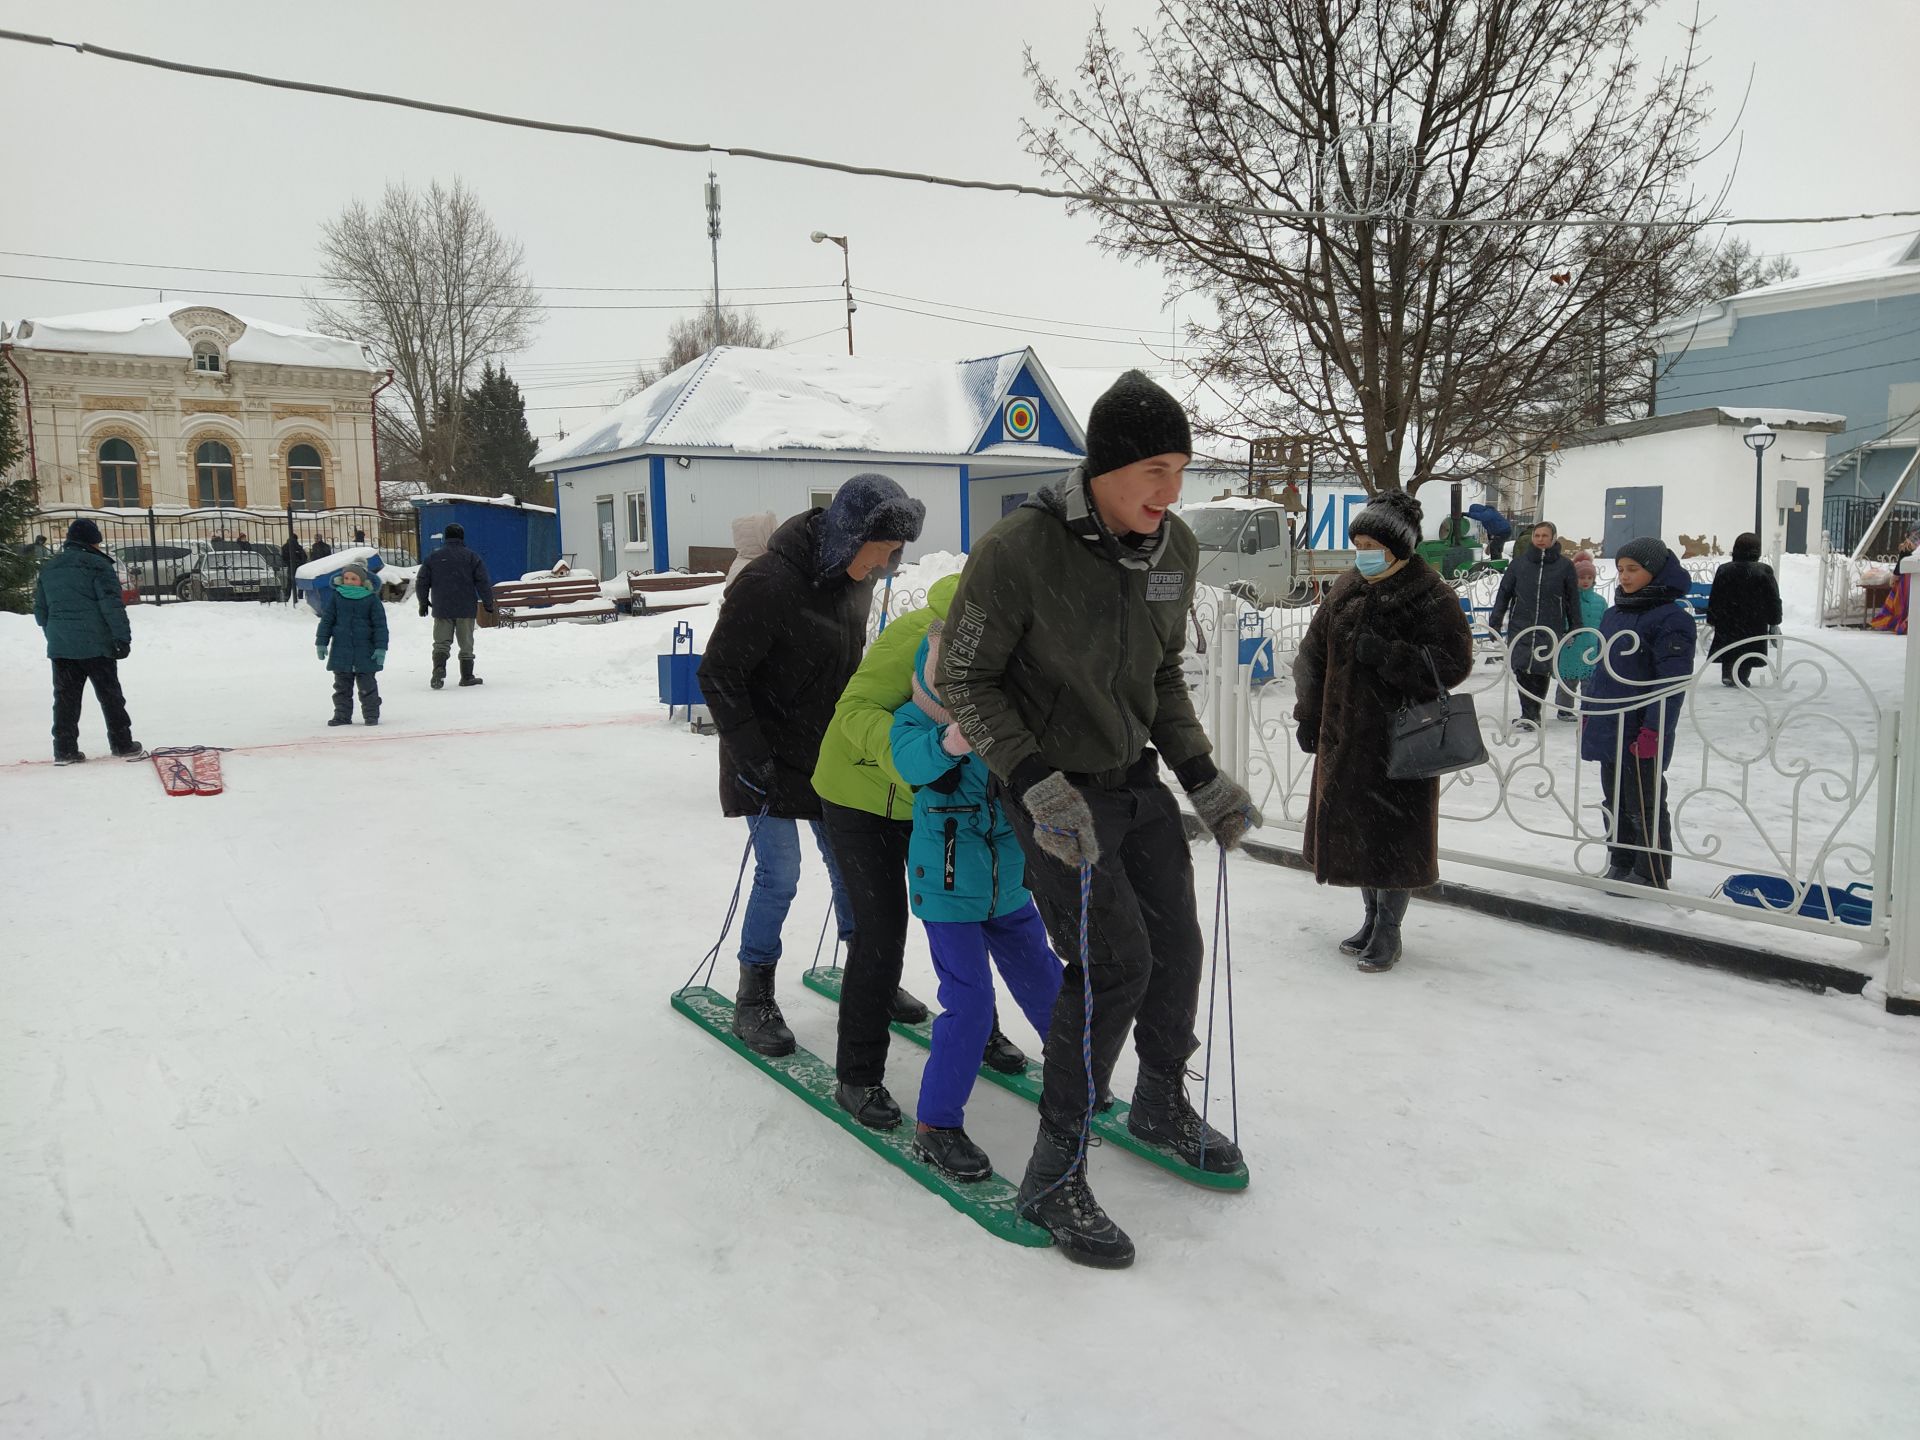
(76, 601)
(965, 873)
(354, 620)
(1581, 653)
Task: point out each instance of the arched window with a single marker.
(206, 356)
(119, 474)
(213, 470)
(306, 481)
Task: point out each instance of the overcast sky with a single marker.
(110, 162)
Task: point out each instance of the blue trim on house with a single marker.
(559, 538)
(657, 502)
(1050, 431)
(966, 508)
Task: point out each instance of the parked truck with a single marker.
(1246, 546)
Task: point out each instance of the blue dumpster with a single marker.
(680, 673)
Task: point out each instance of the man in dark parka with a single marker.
(76, 600)
(1538, 604)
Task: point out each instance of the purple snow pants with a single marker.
(1017, 944)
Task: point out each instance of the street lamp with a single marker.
(1758, 439)
(846, 277)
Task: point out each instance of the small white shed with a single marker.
(1691, 477)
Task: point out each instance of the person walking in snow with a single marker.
(1390, 631)
(1743, 609)
(1579, 655)
(1632, 707)
(320, 549)
(453, 584)
(292, 556)
(1538, 602)
(76, 601)
(968, 891)
(788, 638)
(1062, 669)
(1497, 528)
(352, 642)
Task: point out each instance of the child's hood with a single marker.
(352, 581)
(926, 664)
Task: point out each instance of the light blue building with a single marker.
(1846, 341)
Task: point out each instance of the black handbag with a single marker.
(1435, 737)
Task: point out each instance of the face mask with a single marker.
(1371, 562)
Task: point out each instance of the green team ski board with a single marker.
(989, 1203)
(1109, 1125)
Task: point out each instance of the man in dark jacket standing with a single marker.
(788, 638)
(76, 600)
(454, 584)
(1062, 669)
(1743, 608)
(292, 556)
(1539, 604)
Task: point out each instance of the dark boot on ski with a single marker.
(952, 1153)
(467, 677)
(1383, 950)
(1162, 1114)
(1357, 941)
(439, 672)
(1055, 1196)
(871, 1105)
(1003, 1056)
(757, 1020)
(905, 1010)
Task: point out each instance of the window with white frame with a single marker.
(820, 499)
(213, 473)
(306, 480)
(206, 357)
(637, 518)
(119, 474)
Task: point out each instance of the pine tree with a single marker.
(18, 502)
(496, 447)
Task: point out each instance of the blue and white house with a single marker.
(658, 479)
(1845, 342)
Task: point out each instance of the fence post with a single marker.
(1903, 938)
(160, 587)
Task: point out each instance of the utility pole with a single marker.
(713, 234)
(846, 277)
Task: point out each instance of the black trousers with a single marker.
(1143, 939)
(1496, 546)
(1533, 690)
(871, 852)
(343, 683)
(70, 679)
(1636, 792)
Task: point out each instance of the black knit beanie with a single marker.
(455, 531)
(1392, 518)
(1134, 420)
(1648, 552)
(83, 532)
(867, 507)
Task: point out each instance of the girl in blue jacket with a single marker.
(355, 621)
(965, 872)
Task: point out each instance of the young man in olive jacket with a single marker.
(76, 600)
(1062, 669)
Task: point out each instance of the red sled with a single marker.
(189, 769)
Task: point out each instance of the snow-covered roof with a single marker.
(761, 401)
(1765, 415)
(153, 330)
(444, 497)
(1887, 269)
(1736, 417)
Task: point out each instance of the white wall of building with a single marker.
(1705, 473)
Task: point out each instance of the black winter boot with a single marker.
(903, 1009)
(1055, 1196)
(1383, 950)
(871, 1105)
(952, 1153)
(467, 677)
(1002, 1055)
(439, 672)
(756, 1014)
(69, 757)
(340, 720)
(1162, 1114)
(1357, 941)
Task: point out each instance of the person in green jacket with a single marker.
(1062, 669)
(867, 810)
(352, 642)
(76, 601)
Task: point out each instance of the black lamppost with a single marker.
(1758, 439)
(846, 277)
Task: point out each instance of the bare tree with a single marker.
(692, 336)
(434, 288)
(1390, 310)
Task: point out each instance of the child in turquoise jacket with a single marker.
(965, 874)
(354, 620)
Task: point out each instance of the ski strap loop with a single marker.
(707, 961)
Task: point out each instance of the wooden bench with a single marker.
(656, 594)
(538, 602)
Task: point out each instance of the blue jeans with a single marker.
(776, 879)
(1017, 946)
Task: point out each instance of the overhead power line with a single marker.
(1009, 187)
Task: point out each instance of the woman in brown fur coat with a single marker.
(1366, 653)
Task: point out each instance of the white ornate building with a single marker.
(189, 406)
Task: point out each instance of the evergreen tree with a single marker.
(496, 447)
(18, 502)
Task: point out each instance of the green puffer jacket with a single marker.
(76, 600)
(856, 768)
(1063, 649)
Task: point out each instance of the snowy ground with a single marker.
(349, 1103)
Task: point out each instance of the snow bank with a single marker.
(443, 497)
(339, 559)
